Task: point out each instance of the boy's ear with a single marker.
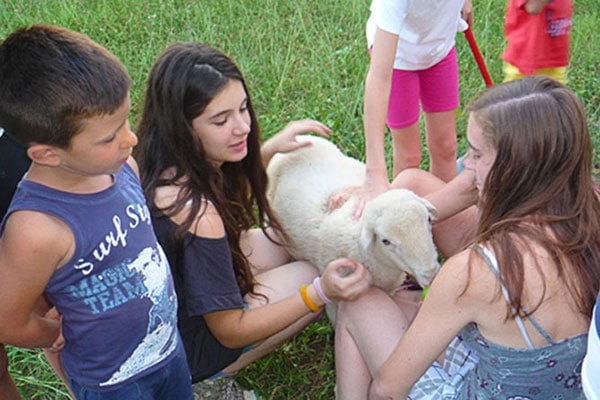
(43, 154)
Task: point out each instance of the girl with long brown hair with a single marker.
(203, 171)
(507, 316)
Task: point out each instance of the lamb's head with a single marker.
(396, 235)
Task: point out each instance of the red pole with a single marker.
(478, 58)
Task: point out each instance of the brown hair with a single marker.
(540, 187)
(51, 78)
(183, 81)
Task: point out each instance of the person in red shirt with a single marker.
(538, 34)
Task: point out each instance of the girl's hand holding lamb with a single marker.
(338, 199)
(343, 279)
(285, 141)
(376, 182)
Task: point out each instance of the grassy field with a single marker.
(301, 59)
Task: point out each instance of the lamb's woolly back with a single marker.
(295, 172)
(392, 237)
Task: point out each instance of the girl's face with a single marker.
(481, 154)
(224, 125)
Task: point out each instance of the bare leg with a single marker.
(276, 284)
(441, 141)
(277, 279)
(262, 253)
(367, 331)
(407, 148)
(8, 389)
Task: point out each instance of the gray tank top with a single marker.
(552, 371)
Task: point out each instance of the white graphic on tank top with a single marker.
(161, 334)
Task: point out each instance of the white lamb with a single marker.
(392, 238)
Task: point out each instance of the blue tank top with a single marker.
(116, 294)
(548, 372)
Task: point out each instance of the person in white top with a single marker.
(413, 63)
(590, 370)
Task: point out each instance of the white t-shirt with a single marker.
(590, 370)
(426, 29)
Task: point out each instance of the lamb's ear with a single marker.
(431, 208)
(366, 237)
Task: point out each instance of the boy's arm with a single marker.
(32, 246)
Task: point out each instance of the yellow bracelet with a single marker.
(309, 303)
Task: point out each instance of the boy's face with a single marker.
(102, 146)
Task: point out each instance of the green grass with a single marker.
(302, 59)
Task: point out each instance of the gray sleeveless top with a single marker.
(552, 371)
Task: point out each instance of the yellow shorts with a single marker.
(512, 73)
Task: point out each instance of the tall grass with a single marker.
(302, 59)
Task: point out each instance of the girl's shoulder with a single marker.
(208, 223)
(466, 277)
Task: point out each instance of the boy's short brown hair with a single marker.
(51, 78)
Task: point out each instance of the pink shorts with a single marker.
(435, 87)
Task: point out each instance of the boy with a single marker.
(78, 229)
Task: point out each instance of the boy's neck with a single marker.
(66, 181)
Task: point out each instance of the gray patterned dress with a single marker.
(476, 368)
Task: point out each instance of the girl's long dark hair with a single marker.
(540, 187)
(183, 81)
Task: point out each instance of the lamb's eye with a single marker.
(386, 242)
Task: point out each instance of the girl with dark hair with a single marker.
(507, 316)
(203, 171)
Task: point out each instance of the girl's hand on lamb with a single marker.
(374, 185)
(344, 279)
(339, 198)
(286, 140)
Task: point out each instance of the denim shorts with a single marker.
(171, 382)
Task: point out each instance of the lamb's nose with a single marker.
(428, 275)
